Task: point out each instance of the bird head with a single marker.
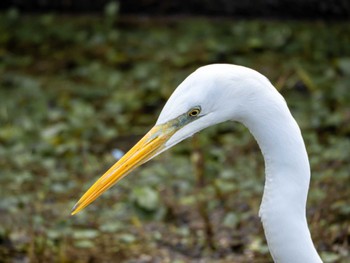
(210, 95)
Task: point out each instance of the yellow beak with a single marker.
(148, 147)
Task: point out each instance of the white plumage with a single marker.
(222, 92)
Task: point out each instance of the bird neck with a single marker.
(283, 207)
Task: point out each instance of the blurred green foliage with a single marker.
(74, 88)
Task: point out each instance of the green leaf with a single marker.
(84, 244)
(146, 198)
(127, 238)
(231, 220)
(344, 65)
(85, 234)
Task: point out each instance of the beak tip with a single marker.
(74, 209)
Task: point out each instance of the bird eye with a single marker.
(194, 112)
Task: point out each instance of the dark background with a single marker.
(296, 9)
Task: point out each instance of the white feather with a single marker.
(228, 92)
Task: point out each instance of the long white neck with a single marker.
(283, 208)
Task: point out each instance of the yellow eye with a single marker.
(194, 112)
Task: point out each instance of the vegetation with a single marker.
(75, 89)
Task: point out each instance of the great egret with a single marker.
(221, 92)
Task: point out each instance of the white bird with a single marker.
(222, 92)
